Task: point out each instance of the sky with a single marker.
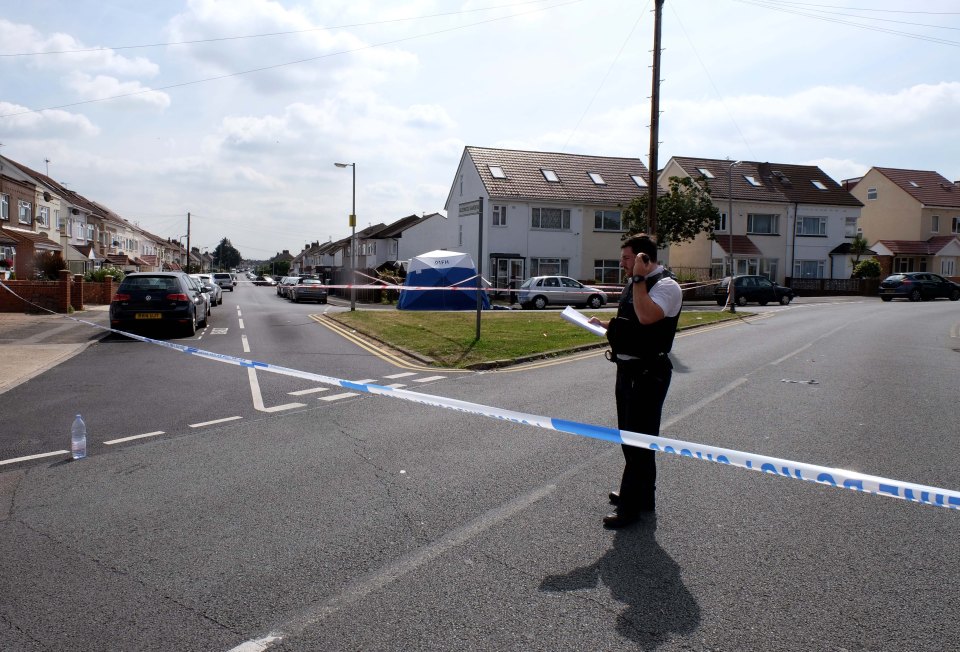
(236, 110)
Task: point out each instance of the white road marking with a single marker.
(246, 344)
(312, 390)
(258, 397)
(428, 379)
(257, 645)
(123, 439)
(365, 381)
(32, 457)
(210, 423)
(337, 397)
(403, 375)
(395, 385)
(955, 330)
(219, 331)
(241, 324)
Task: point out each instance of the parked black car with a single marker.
(165, 299)
(758, 289)
(918, 286)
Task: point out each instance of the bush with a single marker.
(98, 275)
(50, 264)
(869, 268)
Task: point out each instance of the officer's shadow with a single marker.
(643, 576)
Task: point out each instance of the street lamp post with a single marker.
(353, 236)
(733, 297)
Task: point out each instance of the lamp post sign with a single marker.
(468, 209)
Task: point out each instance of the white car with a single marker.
(216, 293)
(224, 280)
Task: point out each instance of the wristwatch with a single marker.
(636, 278)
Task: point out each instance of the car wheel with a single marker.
(192, 326)
(741, 300)
(785, 299)
(955, 295)
(915, 295)
(540, 303)
(594, 302)
(204, 322)
(885, 298)
(721, 302)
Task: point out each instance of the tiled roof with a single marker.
(918, 247)
(742, 245)
(118, 259)
(847, 248)
(778, 182)
(525, 179)
(395, 229)
(40, 240)
(929, 188)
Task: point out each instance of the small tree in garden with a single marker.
(49, 264)
(869, 268)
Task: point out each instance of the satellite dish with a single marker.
(46, 196)
(75, 211)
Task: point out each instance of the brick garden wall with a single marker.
(55, 295)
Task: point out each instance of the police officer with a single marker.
(641, 336)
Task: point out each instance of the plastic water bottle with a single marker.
(78, 439)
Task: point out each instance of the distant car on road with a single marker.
(539, 291)
(308, 289)
(758, 289)
(224, 280)
(264, 280)
(918, 286)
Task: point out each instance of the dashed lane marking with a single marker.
(214, 422)
(241, 324)
(395, 385)
(365, 381)
(123, 439)
(32, 457)
(312, 390)
(427, 379)
(246, 344)
(337, 397)
(403, 375)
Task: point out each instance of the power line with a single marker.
(288, 63)
(884, 20)
(888, 11)
(266, 34)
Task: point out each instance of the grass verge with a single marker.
(449, 338)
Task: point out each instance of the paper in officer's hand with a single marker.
(579, 319)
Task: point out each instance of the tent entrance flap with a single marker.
(441, 269)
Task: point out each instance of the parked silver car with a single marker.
(540, 291)
(216, 293)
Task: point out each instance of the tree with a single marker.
(858, 247)
(869, 268)
(225, 256)
(682, 213)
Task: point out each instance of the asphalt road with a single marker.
(370, 523)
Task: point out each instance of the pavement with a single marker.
(30, 344)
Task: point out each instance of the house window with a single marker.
(607, 271)
(607, 221)
(707, 174)
(499, 215)
(81, 227)
(4, 207)
(808, 268)
(812, 226)
(550, 175)
(550, 218)
(597, 179)
(935, 224)
(752, 181)
(43, 219)
(955, 225)
(549, 266)
(763, 224)
(818, 184)
(948, 266)
(25, 216)
(637, 179)
(769, 268)
(496, 171)
(720, 224)
(871, 193)
(902, 264)
(850, 227)
(89, 232)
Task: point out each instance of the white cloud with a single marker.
(26, 40)
(20, 122)
(102, 87)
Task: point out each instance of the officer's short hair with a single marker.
(641, 243)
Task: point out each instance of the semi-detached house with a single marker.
(544, 213)
(787, 220)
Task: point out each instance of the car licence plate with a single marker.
(147, 315)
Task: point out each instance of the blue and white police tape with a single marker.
(840, 478)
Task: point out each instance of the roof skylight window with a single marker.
(914, 184)
(753, 182)
(818, 184)
(497, 172)
(550, 175)
(597, 179)
(637, 179)
(707, 174)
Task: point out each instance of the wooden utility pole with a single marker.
(654, 119)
